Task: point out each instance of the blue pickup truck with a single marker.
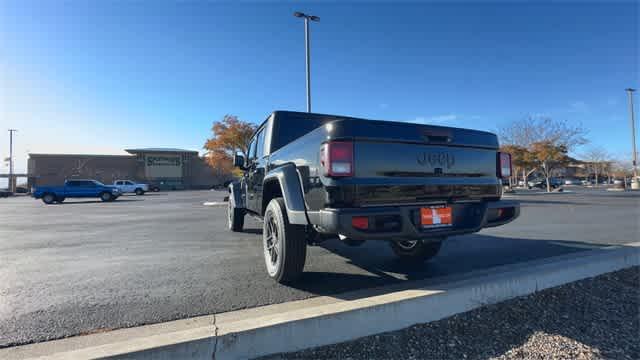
(76, 189)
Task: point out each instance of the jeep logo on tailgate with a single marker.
(436, 159)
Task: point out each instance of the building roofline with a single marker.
(160, 150)
(70, 155)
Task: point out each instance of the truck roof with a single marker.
(290, 125)
(330, 117)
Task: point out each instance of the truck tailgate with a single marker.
(400, 173)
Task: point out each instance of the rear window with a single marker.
(291, 128)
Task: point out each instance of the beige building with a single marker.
(167, 168)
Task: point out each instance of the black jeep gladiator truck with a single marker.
(310, 177)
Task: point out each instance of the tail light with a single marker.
(360, 222)
(336, 158)
(503, 165)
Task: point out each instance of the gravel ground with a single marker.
(596, 318)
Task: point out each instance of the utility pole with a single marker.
(634, 181)
(11, 182)
(308, 54)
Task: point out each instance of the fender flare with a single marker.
(291, 188)
(235, 195)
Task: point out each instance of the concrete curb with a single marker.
(315, 322)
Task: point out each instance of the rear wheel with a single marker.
(416, 250)
(105, 196)
(139, 191)
(285, 248)
(235, 217)
(48, 198)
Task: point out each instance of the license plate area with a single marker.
(436, 216)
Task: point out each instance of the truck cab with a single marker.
(76, 188)
(128, 186)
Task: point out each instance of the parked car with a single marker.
(542, 183)
(166, 186)
(128, 186)
(5, 193)
(76, 189)
(22, 190)
(310, 177)
(221, 186)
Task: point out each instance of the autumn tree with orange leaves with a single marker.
(549, 156)
(540, 143)
(230, 136)
(521, 160)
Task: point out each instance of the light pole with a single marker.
(634, 181)
(308, 55)
(11, 183)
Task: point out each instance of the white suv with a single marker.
(128, 186)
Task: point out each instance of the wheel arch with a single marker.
(285, 181)
(235, 195)
(271, 189)
(49, 193)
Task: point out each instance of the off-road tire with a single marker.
(420, 252)
(291, 244)
(235, 218)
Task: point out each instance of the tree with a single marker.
(230, 136)
(549, 157)
(622, 170)
(546, 134)
(597, 161)
(521, 160)
(532, 129)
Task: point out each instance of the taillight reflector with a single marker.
(504, 165)
(336, 158)
(360, 222)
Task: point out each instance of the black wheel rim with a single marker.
(271, 245)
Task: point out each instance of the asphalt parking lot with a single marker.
(87, 266)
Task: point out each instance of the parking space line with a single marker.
(214, 203)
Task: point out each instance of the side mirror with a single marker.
(238, 161)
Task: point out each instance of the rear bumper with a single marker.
(403, 222)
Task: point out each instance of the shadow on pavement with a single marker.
(257, 231)
(95, 202)
(459, 256)
(558, 202)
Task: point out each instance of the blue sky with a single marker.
(98, 77)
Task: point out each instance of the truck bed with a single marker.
(394, 163)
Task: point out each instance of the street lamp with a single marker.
(634, 182)
(308, 55)
(11, 186)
